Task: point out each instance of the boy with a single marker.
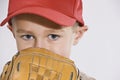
(55, 25)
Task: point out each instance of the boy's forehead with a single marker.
(37, 20)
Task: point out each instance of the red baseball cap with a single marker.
(62, 12)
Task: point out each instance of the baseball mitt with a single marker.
(39, 64)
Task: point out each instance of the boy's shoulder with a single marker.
(83, 76)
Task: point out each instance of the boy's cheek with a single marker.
(63, 50)
(22, 45)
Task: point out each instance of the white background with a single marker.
(98, 52)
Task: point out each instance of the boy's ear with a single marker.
(11, 29)
(79, 33)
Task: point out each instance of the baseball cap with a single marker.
(62, 12)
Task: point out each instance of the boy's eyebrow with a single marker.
(23, 31)
(28, 31)
(52, 30)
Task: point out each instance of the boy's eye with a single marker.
(27, 37)
(53, 37)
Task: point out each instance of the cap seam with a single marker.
(23, 8)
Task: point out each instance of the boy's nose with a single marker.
(39, 44)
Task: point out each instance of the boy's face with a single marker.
(33, 31)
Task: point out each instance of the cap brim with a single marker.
(50, 14)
